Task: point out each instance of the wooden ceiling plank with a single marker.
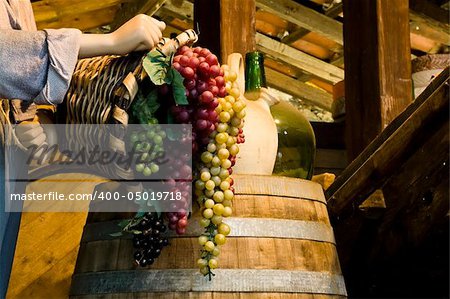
(131, 9)
(286, 69)
(298, 59)
(181, 24)
(429, 22)
(184, 10)
(85, 21)
(339, 62)
(299, 89)
(334, 10)
(296, 35)
(53, 11)
(304, 17)
(429, 32)
(430, 10)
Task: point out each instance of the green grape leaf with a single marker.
(136, 232)
(156, 65)
(178, 88)
(144, 107)
(140, 214)
(152, 102)
(122, 224)
(169, 77)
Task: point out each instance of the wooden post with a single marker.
(377, 68)
(226, 26)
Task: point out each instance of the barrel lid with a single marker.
(277, 186)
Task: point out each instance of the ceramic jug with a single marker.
(258, 154)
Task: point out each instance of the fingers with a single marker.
(149, 39)
(140, 33)
(152, 30)
(155, 33)
(155, 27)
(161, 25)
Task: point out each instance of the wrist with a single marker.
(96, 45)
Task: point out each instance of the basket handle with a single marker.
(171, 46)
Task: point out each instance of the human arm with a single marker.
(138, 34)
(38, 65)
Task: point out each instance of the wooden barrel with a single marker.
(281, 246)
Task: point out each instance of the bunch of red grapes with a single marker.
(204, 82)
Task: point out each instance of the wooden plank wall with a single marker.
(47, 247)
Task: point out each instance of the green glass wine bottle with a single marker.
(255, 77)
(296, 142)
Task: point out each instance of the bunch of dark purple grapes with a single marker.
(150, 241)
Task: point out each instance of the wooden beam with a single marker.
(286, 69)
(304, 17)
(296, 35)
(299, 89)
(377, 68)
(431, 10)
(298, 59)
(226, 26)
(431, 25)
(183, 10)
(181, 25)
(335, 10)
(86, 21)
(56, 11)
(391, 148)
(237, 21)
(131, 9)
(412, 190)
(425, 30)
(339, 62)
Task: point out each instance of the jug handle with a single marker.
(236, 64)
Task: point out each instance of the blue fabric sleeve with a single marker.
(37, 65)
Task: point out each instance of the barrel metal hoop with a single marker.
(240, 227)
(190, 280)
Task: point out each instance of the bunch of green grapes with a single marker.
(214, 186)
(148, 144)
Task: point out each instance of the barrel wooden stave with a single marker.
(252, 253)
(242, 253)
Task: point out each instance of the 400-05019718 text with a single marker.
(57, 196)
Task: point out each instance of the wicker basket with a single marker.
(101, 92)
(103, 88)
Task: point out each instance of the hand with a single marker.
(138, 34)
